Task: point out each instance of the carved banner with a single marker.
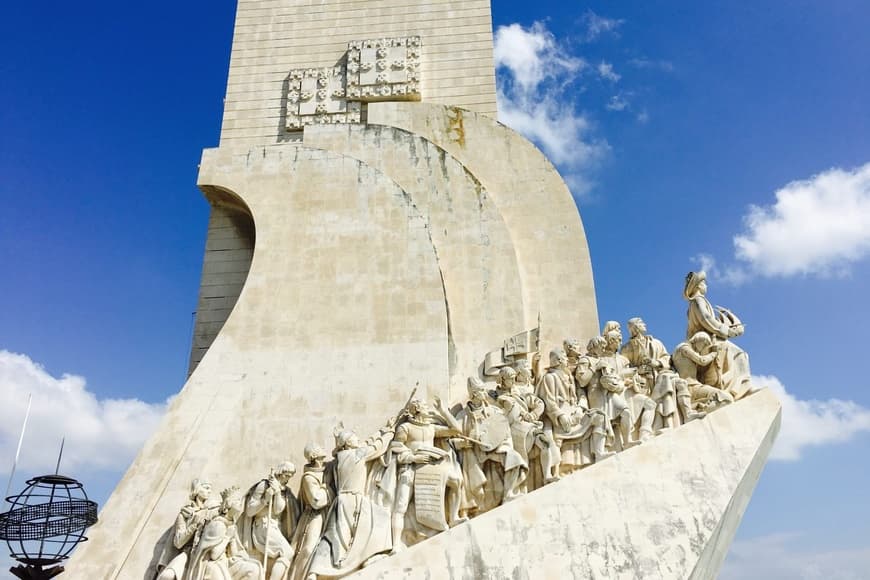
(430, 481)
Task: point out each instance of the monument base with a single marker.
(666, 509)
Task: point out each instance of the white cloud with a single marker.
(619, 102)
(813, 423)
(102, 434)
(560, 132)
(817, 227)
(537, 78)
(649, 64)
(597, 25)
(775, 557)
(532, 55)
(605, 71)
(729, 274)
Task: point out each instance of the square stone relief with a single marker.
(318, 96)
(385, 69)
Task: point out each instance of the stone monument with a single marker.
(389, 277)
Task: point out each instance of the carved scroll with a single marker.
(430, 481)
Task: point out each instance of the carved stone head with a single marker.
(701, 342)
(232, 503)
(696, 285)
(597, 346)
(314, 452)
(613, 340)
(612, 326)
(636, 327)
(477, 390)
(346, 439)
(507, 377)
(418, 409)
(524, 372)
(572, 347)
(558, 359)
(200, 490)
(285, 471)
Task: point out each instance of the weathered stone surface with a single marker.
(479, 266)
(535, 203)
(666, 509)
(272, 37)
(342, 313)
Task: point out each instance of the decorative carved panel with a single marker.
(317, 96)
(386, 69)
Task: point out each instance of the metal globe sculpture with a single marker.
(47, 521)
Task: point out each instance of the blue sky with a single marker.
(670, 120)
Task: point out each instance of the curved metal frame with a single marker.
(58, 523)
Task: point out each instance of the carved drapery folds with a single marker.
(385, 69)
(431, 467)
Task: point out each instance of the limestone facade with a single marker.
(272, 37)
(276, 41)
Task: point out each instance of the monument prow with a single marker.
(649, 512)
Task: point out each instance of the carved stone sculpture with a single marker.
(425, 470)
(607, 396)
(219, 553)
(642, 406)
(270, 510)
(612, 326)
(407, 482)
(524, 411)
(525, 379)
(492, 469)
(358, 527)
(586, 374)
(315, 497)
(571, 423)
(645, 352)
(732, 363)
(428, 470)
(694, 361)
(652, 361)
(188, 526)
(574, 351)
